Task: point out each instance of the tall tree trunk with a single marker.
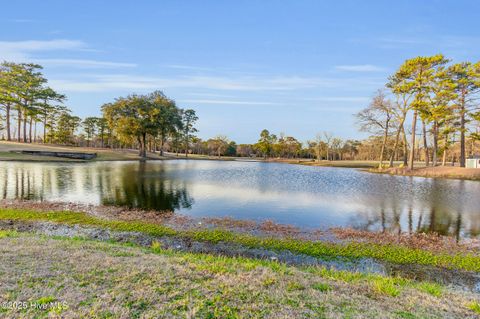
(25, 128)
(412, 152)
(45, 129)
(435, 143)
(140, 152)
(7, 118)
(405, 147)
(19, 123)
(397, 140)
(462, 133)
(30, 129)
(162, 141)
(144, 145)
(444, 159)
(384, 142)
(35, 133)
(425, 145)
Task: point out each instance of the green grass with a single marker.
(7, 233)
(323, 287)
(383, 285)
(386, 287)
(474, 306)
(433, 289)
(388, 252)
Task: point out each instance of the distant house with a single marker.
(473, 162)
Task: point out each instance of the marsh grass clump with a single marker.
(270, 281)
(431, 288)
(474, 306)
(386, 287)
(8, 233)
(323, 287)
(293, 286)
(156, 246)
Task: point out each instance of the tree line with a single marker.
(440, 96)
(431, 91)
(136, 121)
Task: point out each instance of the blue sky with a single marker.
(298, 67)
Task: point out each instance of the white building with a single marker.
(473, 162)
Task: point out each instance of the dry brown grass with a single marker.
(432, 242)
(438, 171)
(104, 280)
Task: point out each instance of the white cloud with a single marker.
(359, 68)
(227, 102)
(122, 82)
(187, 67)
(339, 99)
(80, 63)
(24, 51)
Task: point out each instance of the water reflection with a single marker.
(304, 196)
(146, 189)
(128, 185)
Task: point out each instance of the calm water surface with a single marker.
(305, 196)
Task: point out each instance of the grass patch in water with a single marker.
(388, 252)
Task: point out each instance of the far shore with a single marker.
(8, 153)
(450, 172)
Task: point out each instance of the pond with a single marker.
(312, 197)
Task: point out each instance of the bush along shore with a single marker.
(306, 277)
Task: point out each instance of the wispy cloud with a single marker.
(210, 95)
(227, 102)
(360, 99)
(35, 45)
(22, 50)
(360, 68)
(80, 63)
(26, 51)
(187, 67)
(117, 82)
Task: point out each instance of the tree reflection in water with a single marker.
(147, 190)
(131, 185)
(436, 220)
(288, 194)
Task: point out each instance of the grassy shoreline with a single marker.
(396, 254)
(447, 172)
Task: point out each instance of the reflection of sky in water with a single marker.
(300, 195)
